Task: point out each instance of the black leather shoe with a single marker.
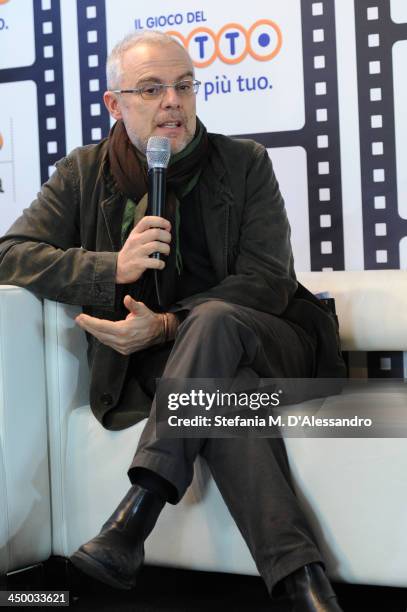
(309, 590)
(117, 553)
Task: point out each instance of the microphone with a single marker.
(158, 155)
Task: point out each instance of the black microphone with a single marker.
(158, 155)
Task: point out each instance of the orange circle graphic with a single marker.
(211, 59)
(238, 59)
(177, 35)
(3, 1)
(277, 30)
(1, 141)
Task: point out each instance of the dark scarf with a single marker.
(129, 169)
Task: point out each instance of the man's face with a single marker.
(171, 115)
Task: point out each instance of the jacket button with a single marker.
(106, 399)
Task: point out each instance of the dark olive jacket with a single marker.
(64, 247)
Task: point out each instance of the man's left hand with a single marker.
(140, 329)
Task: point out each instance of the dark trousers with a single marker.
(221, 340)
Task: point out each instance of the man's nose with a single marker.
(171, 98)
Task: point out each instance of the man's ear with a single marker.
(112, 104)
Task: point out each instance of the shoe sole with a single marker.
(96, 570)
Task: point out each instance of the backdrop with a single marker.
(319, 83)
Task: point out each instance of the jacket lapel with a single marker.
(216, 200)
(112, 210)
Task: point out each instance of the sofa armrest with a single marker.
(25, 519)
(371, 306)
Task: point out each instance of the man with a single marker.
(232, 308)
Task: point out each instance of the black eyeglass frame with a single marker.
(141, 91)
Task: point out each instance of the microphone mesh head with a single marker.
(158, 152)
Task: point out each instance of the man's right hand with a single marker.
(151, 235)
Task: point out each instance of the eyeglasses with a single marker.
(151, 91)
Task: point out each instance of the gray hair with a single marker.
(114, 60)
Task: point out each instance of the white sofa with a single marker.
(353, 490)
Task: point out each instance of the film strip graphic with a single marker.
(92, 60)
(46, 72)
(383, 228)
(320, 135)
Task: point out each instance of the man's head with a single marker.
(146, 58)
